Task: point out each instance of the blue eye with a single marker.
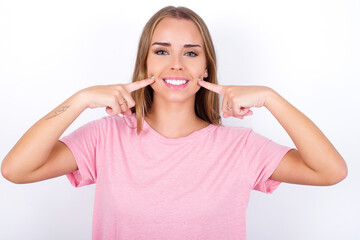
(191, 54)
(160, 52)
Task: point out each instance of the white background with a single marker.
(308, 51)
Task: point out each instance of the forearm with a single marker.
(315, 149)
(34, 147)
(38, 155)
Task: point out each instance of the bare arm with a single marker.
(314, 162)
(39, 155)
(23, 163)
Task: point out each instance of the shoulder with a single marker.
(246, 136)
(115, 121)
(233, 131)
(231, 134)
(109, 125)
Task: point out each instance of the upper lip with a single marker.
(175, 78)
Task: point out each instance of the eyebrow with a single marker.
(166, 44)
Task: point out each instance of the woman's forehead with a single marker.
(174, 30)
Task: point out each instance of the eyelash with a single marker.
(193, 54)
(163, 52)
(160, 50)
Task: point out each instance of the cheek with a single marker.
(153, 66)
(197, 67)
(197, 88)
(198, 72)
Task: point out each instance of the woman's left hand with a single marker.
(315, 162)
(237, 100)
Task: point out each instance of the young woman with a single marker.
(168, 169)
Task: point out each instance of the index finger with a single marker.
(212, 87)
(130, 87)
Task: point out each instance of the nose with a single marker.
(176, 63)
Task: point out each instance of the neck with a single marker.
(173, 119)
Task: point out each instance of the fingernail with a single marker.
(153, 77)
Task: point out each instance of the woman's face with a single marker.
(177, 59)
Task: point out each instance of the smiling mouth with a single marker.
(176, 82)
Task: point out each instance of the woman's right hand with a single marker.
(39, 155)
(115, 98)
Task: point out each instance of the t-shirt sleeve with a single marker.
(264, 156)
(83, 143)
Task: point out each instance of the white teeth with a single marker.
(175, 82)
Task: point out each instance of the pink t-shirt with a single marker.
(152, 187)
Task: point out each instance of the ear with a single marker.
(206, 73)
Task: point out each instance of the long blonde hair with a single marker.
(207, 105)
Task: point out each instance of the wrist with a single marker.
(270, 97)
(80, 99)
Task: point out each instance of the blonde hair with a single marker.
(206, 102)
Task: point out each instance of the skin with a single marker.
(172, 113)
(39, 155)
(315, 161)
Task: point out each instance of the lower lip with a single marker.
(176, 87)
